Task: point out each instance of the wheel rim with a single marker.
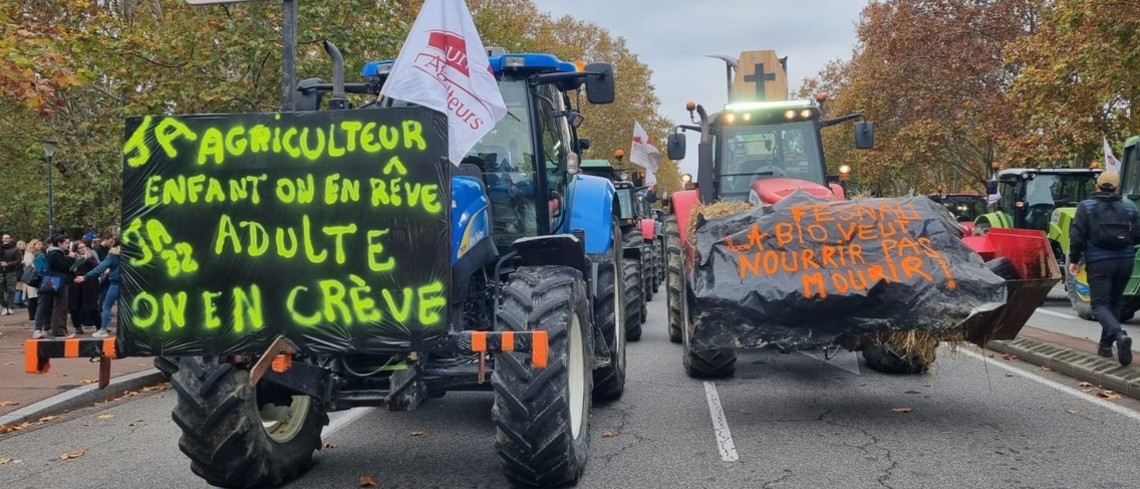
(577, 365)
(282, 423)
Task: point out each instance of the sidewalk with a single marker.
(19, 390)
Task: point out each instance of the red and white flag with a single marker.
(644, 154)
(1110, 162)
(443, 65)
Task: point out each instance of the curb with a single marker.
(1074, 363)
(81, 397)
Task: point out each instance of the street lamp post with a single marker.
(49, 153)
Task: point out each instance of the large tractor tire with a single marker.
(541, 415)
(881, 358)
(634, 298)
(610, 320)
(238, 436)
(704, 364)
(167, 366)
(1082, 307)
(632, 239)
(654, 270)
(674, 278)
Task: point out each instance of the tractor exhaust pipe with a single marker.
(338, 100)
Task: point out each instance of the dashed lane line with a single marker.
(1116, 408)
(340, 420)
(720, 425)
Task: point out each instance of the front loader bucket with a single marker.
(1036, 268)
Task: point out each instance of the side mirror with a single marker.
(676, 145)
(583, 144)
(600, 86)
(308, 97)
(576, 118)
(650, 197)
(864, 135)
(991, 187)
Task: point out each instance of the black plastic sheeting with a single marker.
(807, 272)
(328, 228)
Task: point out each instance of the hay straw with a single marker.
(710, 211)
(918, 346)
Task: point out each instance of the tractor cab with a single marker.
(529, 160)
(1037, 198)
(964, 207)
(760, 152)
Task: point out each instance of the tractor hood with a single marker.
(772, 190)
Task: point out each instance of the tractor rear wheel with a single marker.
(239, 436)
(541, 415)
(610, 321)
(634, 298)
(674, 278)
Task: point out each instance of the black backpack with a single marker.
(1111, 226)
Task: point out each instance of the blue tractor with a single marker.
(533, 250)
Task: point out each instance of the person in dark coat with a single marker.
(83, 297)
(60, 261)
(1104, 233)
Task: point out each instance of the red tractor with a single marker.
(769, 155)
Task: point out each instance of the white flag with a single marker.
(644, 154)
(1110, 162)
(443, 65)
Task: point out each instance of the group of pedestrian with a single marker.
(61, 279)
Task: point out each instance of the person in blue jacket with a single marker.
(110, 265)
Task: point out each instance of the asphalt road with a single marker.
(783, 421)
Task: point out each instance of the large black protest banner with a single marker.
(328, 228)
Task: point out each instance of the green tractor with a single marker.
(1044, 199)
(1078, 286)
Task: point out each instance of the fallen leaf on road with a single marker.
(88, 381)
(144, 364)
(45, 419)
(8, 403)
(105, 416)
(1084, 384)
(902, 410)
(9, 364)
(136, 422)
(367, 481)
(1107, 394)
(329, 445)
(1009, 375)
(1073, 411)
(6, 429)
(1008, 357)
(417, 433)
(1045, 369)
(5, 460)
(607, 434)
(71, 455)
(60, 376)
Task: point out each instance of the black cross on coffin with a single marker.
(759, 77)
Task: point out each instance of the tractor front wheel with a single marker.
(610, 319)
(239, 436)
(674, 278)
(541, 415)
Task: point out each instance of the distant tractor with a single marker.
(965, 207)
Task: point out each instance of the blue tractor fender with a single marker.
(591, 201)
(470, 216)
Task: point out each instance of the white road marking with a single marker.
(720, 425)
(339, 420)
(1058, 314)
(1116, 408)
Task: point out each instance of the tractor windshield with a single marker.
(506, 158)
(625, 203)
(753, 152)
(1043, 193)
